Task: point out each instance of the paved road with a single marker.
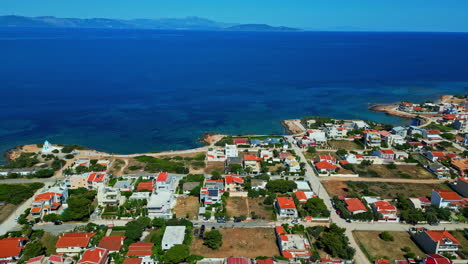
(317, 186)
(428, 181)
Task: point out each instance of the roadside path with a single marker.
(396, 180)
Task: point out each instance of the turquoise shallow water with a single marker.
(128, 91)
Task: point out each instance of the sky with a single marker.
(372, 15)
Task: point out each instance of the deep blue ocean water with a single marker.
(127, 91)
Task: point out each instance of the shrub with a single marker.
(386, 236)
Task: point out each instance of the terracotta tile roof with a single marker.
(286, 202)
(265, 261)
(448, 195)
(384, 207)
(433, 132)
(241, 141)
(132, 261)
(438, 154)
(10, 247)
(354, 204)
(233, 179)
(95, 255)
(344, 162)
(56, 258)
(112, 243)
(441, 235)
(162, 176)
(301, 196)
(74, 240)
(382, 261)
(325, 165)
(96, 177)
(284, 238)
(252, 158)
(279, 230)
(140, 249)
(387, 151)
(287, 254)
(436, 259)
(449, 116)
(31, 260)
(35, 209)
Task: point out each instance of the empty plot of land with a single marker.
(247, 242)
(459, 235)
(263, 211)
(214, 166)
(401, 171)
(378, 248)
(382, 189)
(6, 210)
(187, 206)
(343, 144)
(237, 206)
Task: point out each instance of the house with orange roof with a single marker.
(165, 182)
(406, 107)
(434, 156)
(292, 246)
(382, 261)
(372, 138)
(140, 249)
(11, 249)
(49, 201)
(355, 206)
(446, 199)
(148, 185)
(234, 183)
(95, 256)
(436, 241)
(461, 165)
(325, 167)
(435, 259)
(252, 163)
(388, 211)
(96, 180)
(301, 197)
(73, 243)
(112, 243)
(37, 260)
(286, 207)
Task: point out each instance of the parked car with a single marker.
(295, 222)
(237, 219)
(195, 232)
(221, 220)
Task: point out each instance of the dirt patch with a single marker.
(247, 242)
(214, 166)
(15, 153)
(392, 250)
(237, 206)
(187, 205)
(6, 210)
(385, 190)
(401, 171)
(294, 126)
(343, 144)
(264, 212)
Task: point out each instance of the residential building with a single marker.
(400, 131)
(286, 207)
(140, 196)
(354, 158)
(112, 243)
(77, 181)
(372, 138)
(266, 154)
(462, 186)
(420, 203)
(252, 163)
(95, 256)
(435, 259)
(108, 196)
(164, 182)
(215, 155)
(303, 186)
(124, 186)
(388, 211)
(73, 243)
(233, 183)
(325, 167)
(211, 191)
(318, 137)
(439, 170)
(140, 249)
(336, 131)
(49, 201)
(434, 156)
(292, 246)
(445, 199)
(359, 124)
(394, 140)
(173, 235)
(386, 154)
(37, 260)
(406, 107)
(232, 161)
(160, 204)
(461, 165)
(436, 241)
(238, 260)
(258, 184)
(432, 134)
(355, 206)
(461, 124)
(11, 249)
(231, 151)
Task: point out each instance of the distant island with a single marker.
(187, 23)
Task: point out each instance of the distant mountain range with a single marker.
(188, 23)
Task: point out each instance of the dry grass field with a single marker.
(187, 205)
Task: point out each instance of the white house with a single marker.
(108, 196)
(160, 204)
(231, 151)
(286, 207)
(173, 235)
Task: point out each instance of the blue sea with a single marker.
(127, 91)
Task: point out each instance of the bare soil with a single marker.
(256, 205)
(6, 210)
(237, 206)
(392, 250)
(187, 205)
(344, 144)
(414, 171)
(247, 242)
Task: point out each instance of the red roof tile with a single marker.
(11, 247)
(94, 255)
(279, 230)
(325, 165)
(140, 249)
(162, 176)
(233, 179)
(301, 196)
(132, 261)
(354, 204)
(233, 260)
(286, 202)
(74, 240)
(387, 151)
(240, 141)
(112, 243)
(265, 261)
(96, 177)
(287, 254)
(31, 260)
(448, 195)
(440, 235)
(252, 158)
(149, 185)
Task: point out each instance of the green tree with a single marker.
(215, 175)
(316, 207)
(51, 217)
(213, 239)
(33, 249)
(177, 254)
(281, 186)
(386, 236)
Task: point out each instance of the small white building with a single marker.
(48, 148)
(108, 196)
(161, 204)
(231, 151)
(173, 235)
